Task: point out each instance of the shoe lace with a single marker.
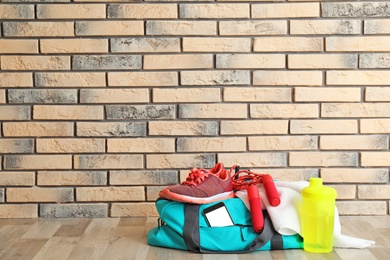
(243, 178)
(196, 176)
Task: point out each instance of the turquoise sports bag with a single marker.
(183, 226)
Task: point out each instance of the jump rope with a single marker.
(247, 180)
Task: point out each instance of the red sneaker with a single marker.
(202, 186)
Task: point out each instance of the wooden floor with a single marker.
(125, 238)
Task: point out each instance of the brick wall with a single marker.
(103, 103)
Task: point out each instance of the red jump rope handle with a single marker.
(255, 206)
(270, 190)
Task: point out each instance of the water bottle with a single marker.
(318, 217)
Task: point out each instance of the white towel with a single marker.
(285, 217)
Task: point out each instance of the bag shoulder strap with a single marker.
(191, 233)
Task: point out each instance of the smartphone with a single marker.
(218, 215)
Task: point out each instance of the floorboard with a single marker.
(125, 238)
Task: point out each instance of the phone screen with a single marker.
(218, 215)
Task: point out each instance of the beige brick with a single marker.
(375, 126)
(210, 10)
(181, 28)
(142, 79)
(40, 195)
(357, 110)
(374, 191)
(71, 11)
(18, 46)
(374, 60)
(361, 77)
(177, 161)
(213, 111)
(18, 211)
(108, 161)
(343, 175)
(80, 79)
(360, 208)
(17, 179)
(16, 11)
(376, 159)
(183, 175)
(354, 142)
(289, 174)
(257, 94)
(76, 210)
(141, 145)
(254, 159)
(38, 129)
(284, 110)
(328, 27)
(134, 210)
(344, 191)
(72, 178)
(252, 27)
(110, 129)
(222, 77)
(158, 177)
(220, 44)
(68, 112)
(287, 78)
(38, 29)
(137, 45)
(270, 143)
(140, 112)
(323, 159)
(318, 126)
(377, 94)
(322, 61)
(186, 95)
(110, 194)
(2, 96)
(248, 127)
(109, 28)
(42, 96)
(288, 44)
(152, 192)
(353, 9)
(377, 26)
(106, 62)
(358, 44)
(251, 61)
(16, 145)
(16, 79)
(40, 162)
(67, 145)
(178, 61)
(284, 10)
(328, 94)
(114, 95)
(142, 11)
(185, 128)
(211, 144)
(35, 63)
(74, 45)
(249, 0)
(15, 113)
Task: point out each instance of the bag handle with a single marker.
(191, 233)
